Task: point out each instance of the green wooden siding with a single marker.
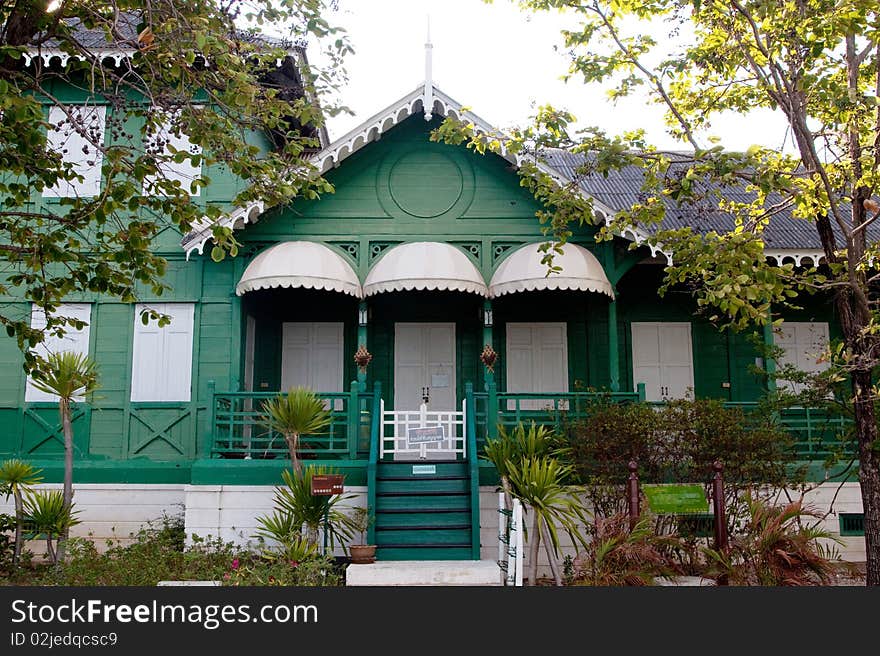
(402, 188)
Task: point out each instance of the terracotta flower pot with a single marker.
(363, 553)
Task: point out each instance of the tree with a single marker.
(816, 63)
(16, 478)
(161, 70)
(299, 412)
(70, 376)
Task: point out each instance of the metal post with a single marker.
(632, 494)
(721, 543)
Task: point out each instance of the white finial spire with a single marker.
(428, 97)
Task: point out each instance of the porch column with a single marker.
(769, 363)
(613, 347)
(363, 317)
(488, 330)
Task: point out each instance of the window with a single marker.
(803, 342)
(537, 361)
(663, 359)
(165, 142)
(73, 340)
(312, 356)
(161, 368)
(75, 130)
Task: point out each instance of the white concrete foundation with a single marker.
(113, 512)
(424, 572)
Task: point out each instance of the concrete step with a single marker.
(424, 573)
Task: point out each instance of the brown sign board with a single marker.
(326, 485)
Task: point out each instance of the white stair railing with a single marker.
(423, 433)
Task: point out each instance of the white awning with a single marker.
(300, 264)
(428, 265)
(523, 271)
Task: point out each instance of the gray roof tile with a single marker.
(622, 189)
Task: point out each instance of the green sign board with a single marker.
(671, 499)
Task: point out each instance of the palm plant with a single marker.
(534, 442)
(538, 483)
(299, 412)
(69, 376)
(297, 508)
(619, 555)
(16, 477)
(777, 547)
(49, 515)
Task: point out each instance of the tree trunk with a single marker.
(312, 535)
(534, 542)
(869, 470)
(64, 410)
(551, 556)
(292, 446)
(19, 518)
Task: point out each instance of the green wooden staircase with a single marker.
(424, 510)
(423, 516)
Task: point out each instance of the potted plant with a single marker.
(362, 553)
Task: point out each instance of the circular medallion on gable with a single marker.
(425, 184)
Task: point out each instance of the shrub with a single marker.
(7, 541)
(618, 555)
(312, 572)
(776, 547)
(295, 508)
(156, 554)
(677, 443)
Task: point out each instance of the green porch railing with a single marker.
(816, 432)
(237, 431)
(373, 463)
(507, 409)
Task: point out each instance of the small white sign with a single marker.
(425, 435)
(439, 380)
(424, 469)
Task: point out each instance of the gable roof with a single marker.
(372, 129)
(786, 237)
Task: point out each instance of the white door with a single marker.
(537, 361)
(424, 357)
(663, 359)
(803, 342)
(311, 356)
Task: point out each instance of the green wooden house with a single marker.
(414, 300)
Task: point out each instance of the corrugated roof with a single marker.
(125, 33)
(620, 190)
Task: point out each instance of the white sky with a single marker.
(495, 59)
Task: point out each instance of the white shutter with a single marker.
(74, 340)
(537, 360)
(184, 172)
(803, 342)
(65, 136)
(663, 359)
(311, 356)
(161, 367)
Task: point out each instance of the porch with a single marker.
(355, 429)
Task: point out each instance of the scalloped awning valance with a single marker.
(424, 265)
(300, 264)
(523, 271)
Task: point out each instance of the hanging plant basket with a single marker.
(362, 358)
(489, 357)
